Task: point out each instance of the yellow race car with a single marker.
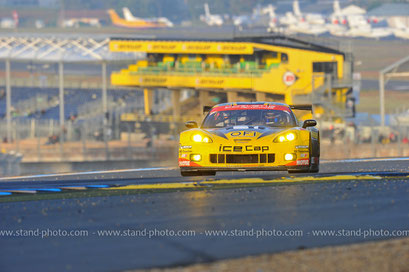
(253, 136)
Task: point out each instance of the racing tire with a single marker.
(315, 152)
(314, 168)
(197, 173)
(298, 171)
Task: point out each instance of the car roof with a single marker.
(250, 106)
(250, 103)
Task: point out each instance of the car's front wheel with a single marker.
(315, 167)
(298, 171)
(315, 157)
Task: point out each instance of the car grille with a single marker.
(247, 158)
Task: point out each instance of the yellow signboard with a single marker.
(172, 81)
(180, 47)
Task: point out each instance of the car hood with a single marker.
(248, 133)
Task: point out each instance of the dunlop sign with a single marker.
(180, 47)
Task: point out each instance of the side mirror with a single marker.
(206, 109)
(309, 123)
(191, 124)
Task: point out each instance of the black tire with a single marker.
(188, 174)
(197, 173)
(208, 173)
(298, 171)
(315, 167)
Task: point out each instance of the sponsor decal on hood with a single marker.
(237, 132)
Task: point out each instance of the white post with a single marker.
(104, 88)
(62, 115)
(105, 108)
(382, 98)
(8, 100)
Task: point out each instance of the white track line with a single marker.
(367, 160)
(175, 168)
(90, 173)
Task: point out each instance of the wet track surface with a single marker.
(350, 204)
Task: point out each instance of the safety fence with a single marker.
(348, 140)
(126, 135)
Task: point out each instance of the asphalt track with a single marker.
(368, 195)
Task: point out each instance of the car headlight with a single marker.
(288, 137)
(289, 157)
(199, 138)
(195, 157)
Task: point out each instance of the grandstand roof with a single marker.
(271, 39)
(56, 48)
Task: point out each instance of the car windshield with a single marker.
(265, 117)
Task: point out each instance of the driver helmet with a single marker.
(272, 117)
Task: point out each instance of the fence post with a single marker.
(16, 164)
(105, 129)
(69, 132)
(129, 149)
(33, 128)
(51, 127)
(105, 109)
(84, 141)
(345, 143)
(117, 123)
(9, 162)
(61, 106)
(8, 99)
(399, 139)
(17, 137)
(38, 148)
(3, 164)
(406, 136)
(373, 139)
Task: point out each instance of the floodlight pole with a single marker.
(62, 110)
(105, 107)
(8, 100)
(104, 88)
(382, 97)
(384, 76)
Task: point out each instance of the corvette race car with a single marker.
(254, 136)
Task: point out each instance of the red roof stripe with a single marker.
(251, 107)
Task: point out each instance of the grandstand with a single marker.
(258, 68)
